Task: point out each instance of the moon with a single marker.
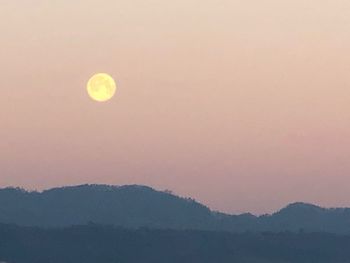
(101, 87)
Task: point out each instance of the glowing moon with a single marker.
(101, 87)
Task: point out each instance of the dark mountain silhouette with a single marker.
(308, 217)
(106, 244)
(137, 206)
(128, 206)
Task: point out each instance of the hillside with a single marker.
(137, 206)
(105, 244)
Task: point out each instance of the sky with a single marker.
(243, 105)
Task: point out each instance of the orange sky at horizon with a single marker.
(242, 105)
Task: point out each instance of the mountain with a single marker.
(106, 244)
(128, 206)
(134, 206)
(308, 217)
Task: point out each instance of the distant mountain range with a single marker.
(135, 206)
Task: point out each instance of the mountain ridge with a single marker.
(135, 206)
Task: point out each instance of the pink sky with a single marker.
(242, 104)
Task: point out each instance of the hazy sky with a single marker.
(242, 104)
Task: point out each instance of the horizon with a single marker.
(243, 105)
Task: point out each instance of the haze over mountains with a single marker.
(137, 206)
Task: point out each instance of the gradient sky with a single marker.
(242, 104)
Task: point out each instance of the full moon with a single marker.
(101, 87)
